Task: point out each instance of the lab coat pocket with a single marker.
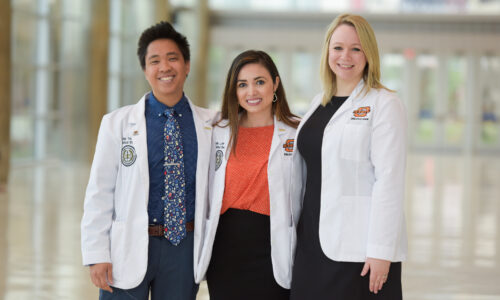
(355, 143)
(356, 212)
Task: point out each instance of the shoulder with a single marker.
(381, 98)
(205, 113)
(121, 114)
(315, 102)
(221, 124)
(385, 103)
(283, 127)
(317, 99)
(380, 94)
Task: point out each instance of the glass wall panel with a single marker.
(49, 79)
(489, 102)
(454, 116)
(392, 67)
(217, 70)
(305, 82)
(427, 86)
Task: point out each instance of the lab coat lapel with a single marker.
(279, 137)
(348, 104)
(137, 130)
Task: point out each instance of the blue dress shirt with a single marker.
(155, 122)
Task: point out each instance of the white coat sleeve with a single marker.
(99, 197)
(388, 156)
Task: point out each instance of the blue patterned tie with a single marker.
(175, 186)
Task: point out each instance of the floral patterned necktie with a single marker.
(175, 186)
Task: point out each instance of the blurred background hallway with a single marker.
(65, 63)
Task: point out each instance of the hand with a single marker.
(102, 275)
(379, 269)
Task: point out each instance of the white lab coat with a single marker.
(114, 226)
(278, 176)
(362, 178)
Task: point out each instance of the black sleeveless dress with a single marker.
(315, 276)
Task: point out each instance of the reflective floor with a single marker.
(453, 216)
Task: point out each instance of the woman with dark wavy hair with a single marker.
(248, 236)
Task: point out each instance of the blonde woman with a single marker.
(348, 176)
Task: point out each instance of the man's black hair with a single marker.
(162, 30)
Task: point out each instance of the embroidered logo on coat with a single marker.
(128, 155)
(288, 146)
(218, 159)
(361, 112)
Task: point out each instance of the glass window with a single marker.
(489, 102)
(49, 79)
(426, 124)
(392, 66)
(305, 83)
(216, 77)
(454, 117)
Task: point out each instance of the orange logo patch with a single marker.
(289, 145)
(361, 112)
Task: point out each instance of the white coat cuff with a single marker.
(381, 252)
(95, 257)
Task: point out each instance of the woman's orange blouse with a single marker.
(246, 185)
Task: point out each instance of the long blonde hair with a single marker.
(371, 73)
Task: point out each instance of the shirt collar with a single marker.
(159, 108)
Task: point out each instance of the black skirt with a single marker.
(241, 266)
(315, 276)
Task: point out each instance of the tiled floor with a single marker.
(453, 216)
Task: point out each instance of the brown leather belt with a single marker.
(158, 230)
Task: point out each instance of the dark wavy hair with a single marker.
(230, 106)
(162, 30)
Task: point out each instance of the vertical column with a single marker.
(114, 53)
(472, 91)
(42, 81)
(98, 81)
(441, 105)
(411, 96)
(5, 112)
(5, 89)
(163, 11)
(472, 165)
(201, 53)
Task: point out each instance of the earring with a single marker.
(275, 98)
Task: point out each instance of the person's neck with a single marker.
(345, 88)
(170, 100)
(256, 120)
